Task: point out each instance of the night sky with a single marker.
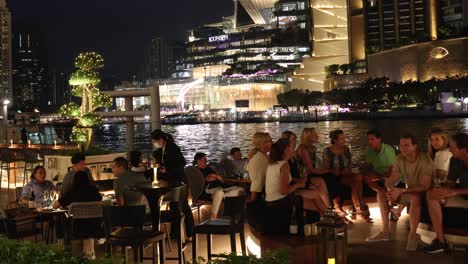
(118, 29)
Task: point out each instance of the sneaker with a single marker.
(436, 247)
(412, 244)
(381, 236)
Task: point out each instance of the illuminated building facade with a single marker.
(267, 32)
(392, 23)
(234, 63)
(334, 22)
(6, 89)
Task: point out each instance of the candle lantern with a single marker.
(333, 238)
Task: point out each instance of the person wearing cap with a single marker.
(79, 164)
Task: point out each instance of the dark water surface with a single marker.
(216, 139)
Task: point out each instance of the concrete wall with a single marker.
(415, 62)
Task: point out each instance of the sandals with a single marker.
(364, 214)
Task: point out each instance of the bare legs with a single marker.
(415, 214)
(435, 211)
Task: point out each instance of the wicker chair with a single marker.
(196, 184)
(87, 211)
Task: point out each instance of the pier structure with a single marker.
(130, 114)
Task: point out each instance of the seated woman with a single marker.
(83, 191)
(258, 163)
(338, 159)
(215, 185)
(306, 157)
(279, 186)
(37, 186)
(137, 165)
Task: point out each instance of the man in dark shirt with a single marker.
(455, 194)
(78, 161)
(125, 179)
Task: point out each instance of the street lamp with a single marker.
(6, 102)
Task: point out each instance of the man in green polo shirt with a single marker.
(379, 160)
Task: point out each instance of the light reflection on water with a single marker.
(215, 139)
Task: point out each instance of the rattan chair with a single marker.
(84, 213)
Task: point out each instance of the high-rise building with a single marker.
(6, 89)
(393, 23)
(159, 58)
(455, 14)
(30, 80)
(61, 89)
(266, 33)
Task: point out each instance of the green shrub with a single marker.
(26, 252)
(278, 256)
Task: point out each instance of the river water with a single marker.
(216, 139)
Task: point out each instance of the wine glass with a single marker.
(46, 195)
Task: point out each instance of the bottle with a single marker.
(293, 230)
(32, 197)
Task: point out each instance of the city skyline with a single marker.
(118, 29)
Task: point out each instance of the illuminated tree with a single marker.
(84, 82)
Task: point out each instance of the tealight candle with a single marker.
(331, 261)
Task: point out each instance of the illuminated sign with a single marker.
(218, 38)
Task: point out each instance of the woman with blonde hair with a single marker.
(438, 150)
(307, 162)
(258, 163)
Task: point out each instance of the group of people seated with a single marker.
(439, 176)
(279, 171)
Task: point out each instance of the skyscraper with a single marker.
(29, 67)
(6, 89)
(392, 23)
(157, 63)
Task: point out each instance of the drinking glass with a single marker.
(46, 195)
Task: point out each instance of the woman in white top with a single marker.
(258, 162)
(278, 180)
(439, 151)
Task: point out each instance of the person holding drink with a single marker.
(36, 189)
(453, 194)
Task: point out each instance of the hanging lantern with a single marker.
(333, 238)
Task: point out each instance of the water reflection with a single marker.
(216, 139)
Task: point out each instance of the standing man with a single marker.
(125, 179)
(378, 167)
(78, 161)
(455, 194)
(415, 168)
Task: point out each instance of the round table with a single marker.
(153, 194)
